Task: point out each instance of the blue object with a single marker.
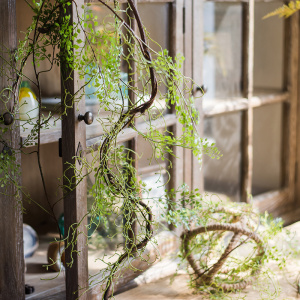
(94, 224)
(30, 240)
(61, 224)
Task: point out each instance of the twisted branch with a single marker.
(205, 277)
(124, 120)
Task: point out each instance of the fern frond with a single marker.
(285, 11)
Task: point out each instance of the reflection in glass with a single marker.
(267, 152)
(222, 50)
(223, 176)
(268, 48)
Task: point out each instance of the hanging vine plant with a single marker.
(98, 59)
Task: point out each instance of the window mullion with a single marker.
(188, 43)
(197, 75)
(176, 46)
(132, 144)
(289, 143)
(247, 115)
(75, 200)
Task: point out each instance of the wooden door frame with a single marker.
(283, 203)
(75, 191)
(279, 202)
(12, 284)
(73, 133)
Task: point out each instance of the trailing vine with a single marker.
(227, 246)
(97, 57)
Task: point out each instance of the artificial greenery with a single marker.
(97, 56)
(101, 51)
(286, 10)
(226, 246)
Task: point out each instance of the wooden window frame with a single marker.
(12, 279)
(73, 133)
(129, 135)
(280, 202)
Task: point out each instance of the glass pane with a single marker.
(106, 87)
(105, 240)
(222, 50)
(149, 160)
(50, 81)
(37, 217)
(153, 172)
(267, 151)
(268, 48)
(154, 196)
(102, 85)
(156, 20)
(223, 176)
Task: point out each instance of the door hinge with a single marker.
(60, 147)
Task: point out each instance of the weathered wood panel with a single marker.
(297, 170)
(188, 71)
(247, 116)
(75, 193)
(270, 98)
(290, 110)
(176, 46)
(197, 55)
(282, 203)
(224, 106)
(219, 107)
(129, 133)
(11, 221)
(133, 143)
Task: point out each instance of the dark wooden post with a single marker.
(197, 56)
(132, 144)
(188, 71)
(11, 220)
(247, 115)
(75, 194)
(176, 46)
(291, 84)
